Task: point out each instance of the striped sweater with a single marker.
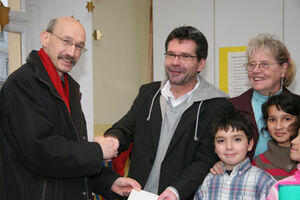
(276, 161)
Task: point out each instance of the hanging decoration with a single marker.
(3, 16)
(90, 7)
(97, 35)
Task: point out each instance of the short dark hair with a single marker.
(190, 33)
(232, 119)
(286, 101)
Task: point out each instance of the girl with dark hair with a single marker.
(280, 114)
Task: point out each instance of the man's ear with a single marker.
(250, 144)
(44, 37)
(201, 64)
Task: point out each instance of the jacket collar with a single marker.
(40, 72)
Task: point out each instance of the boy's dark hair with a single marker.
(287, 102)
(190, 33)
(232, 119)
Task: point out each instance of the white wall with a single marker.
(120, 57)
(291, 33)
(167, 15)
(227, 23)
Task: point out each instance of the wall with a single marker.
(225, 24)
(291, 34)
(119, 58)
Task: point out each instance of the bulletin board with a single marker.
(233, 76)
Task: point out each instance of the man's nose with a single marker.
(176, 60)
(71, 51)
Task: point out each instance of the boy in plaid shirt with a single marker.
(232, 136)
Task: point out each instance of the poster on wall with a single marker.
(233, 74)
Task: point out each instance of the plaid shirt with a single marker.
(245, 182)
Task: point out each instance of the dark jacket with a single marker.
(243, 104)
(187, 160)
(44, 149)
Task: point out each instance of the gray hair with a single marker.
(51, 25)
(270, 44)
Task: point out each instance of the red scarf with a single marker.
(55, 79)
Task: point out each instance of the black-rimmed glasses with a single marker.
(181, 57)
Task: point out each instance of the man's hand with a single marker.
(167, 195)
(113, 140)
(217, 168)
(123, 186)
(107, 146)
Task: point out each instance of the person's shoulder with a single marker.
(27, 69)
(220, 103)
(20, 75)
(256, 169)
(244, 96)
(218, 99)
(150, 87)
(261, 178)
(259, 158)
(261, 173)
(211, 176)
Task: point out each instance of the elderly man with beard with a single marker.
(44, 150)
(169, 121)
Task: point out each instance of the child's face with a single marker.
(232, 147)
(295, 149)
(279, 126)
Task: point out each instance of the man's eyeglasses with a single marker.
(262, 66)
(182, 57)
(70, 43)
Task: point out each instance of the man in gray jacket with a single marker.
(169, 121)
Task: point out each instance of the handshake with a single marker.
(109, 146)
(122, 186)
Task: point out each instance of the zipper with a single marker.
(44, 189)
(78, 140)
(74, 131)
(87, 189)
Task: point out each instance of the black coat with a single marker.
(44, 149)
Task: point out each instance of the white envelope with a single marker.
(142, 195)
